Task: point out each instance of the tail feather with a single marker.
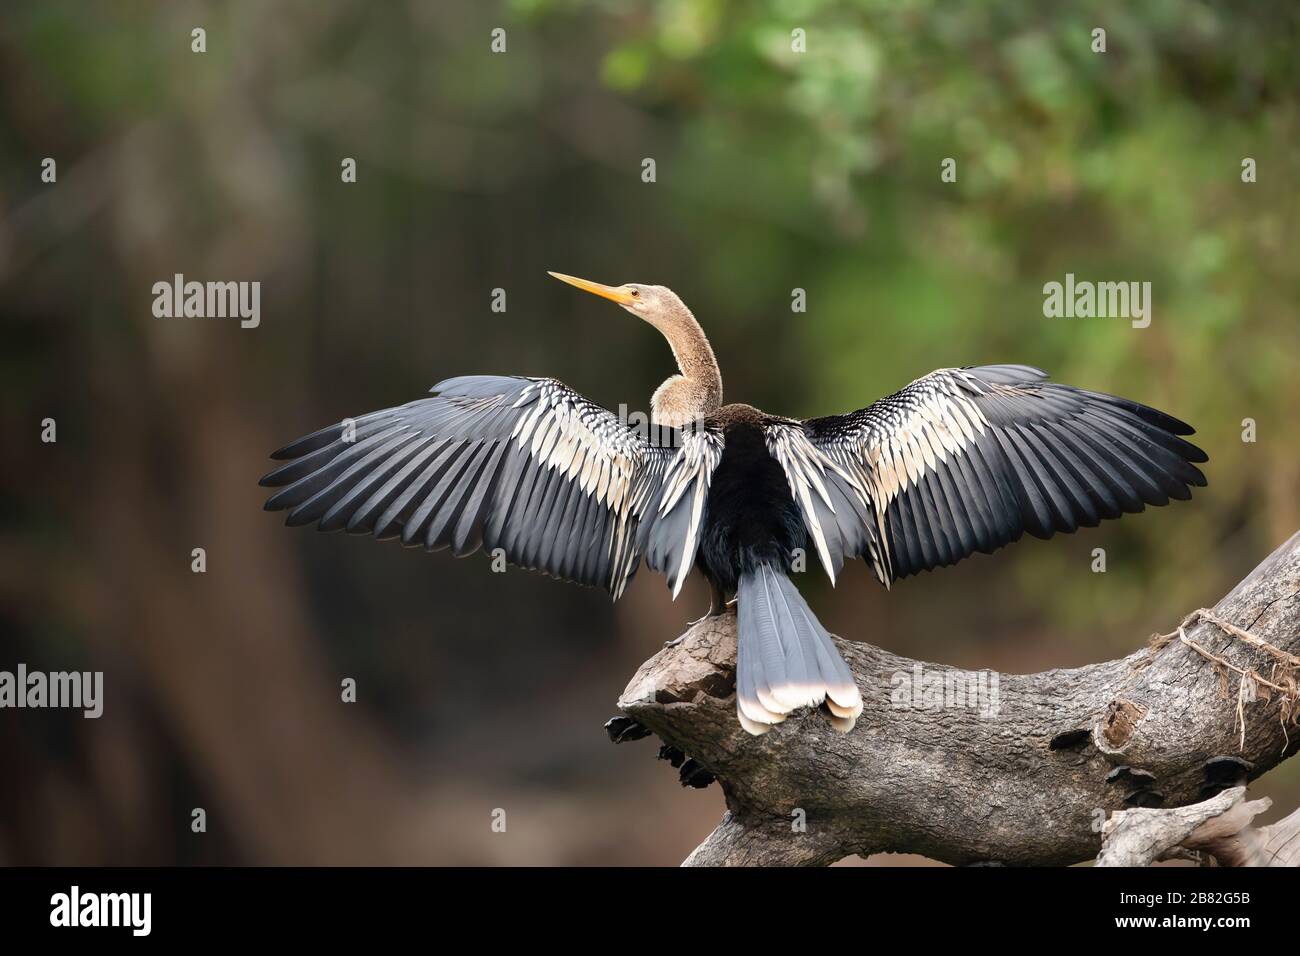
(786, 660)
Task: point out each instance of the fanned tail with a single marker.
(785, 659)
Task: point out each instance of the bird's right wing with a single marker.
(526, 465)
(968, 459)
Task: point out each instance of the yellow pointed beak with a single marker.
(619, 294)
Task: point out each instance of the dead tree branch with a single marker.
(1027, 776)
(1219, 828)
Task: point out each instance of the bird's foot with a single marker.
(622, 729)
(718, 606)
(692, 774)
(699, 620)
(715, 610)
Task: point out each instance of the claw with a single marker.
(622, 729)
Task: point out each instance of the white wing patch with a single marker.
(690, 472)
(556, 435)
(584, 442)
(916, 437)
(805, 468)
(911, 433)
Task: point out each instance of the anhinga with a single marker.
(962, 460)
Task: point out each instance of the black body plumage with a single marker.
(751, 517)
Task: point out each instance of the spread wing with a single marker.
(967, 460)
(526, 465)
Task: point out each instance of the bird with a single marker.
(962, 460)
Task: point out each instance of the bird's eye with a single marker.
(634, 293)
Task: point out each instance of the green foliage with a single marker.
(781, 166)
(1122, 165)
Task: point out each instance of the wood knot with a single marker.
(1122, 717)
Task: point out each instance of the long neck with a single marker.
(695, 358)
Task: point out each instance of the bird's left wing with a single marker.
(968, 459)
(526, 465)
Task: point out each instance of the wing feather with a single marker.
(526, 465)
(967, 460)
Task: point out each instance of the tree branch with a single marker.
(1220, 827)
(986, 768)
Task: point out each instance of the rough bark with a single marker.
(1219, 828)
(1030, 784)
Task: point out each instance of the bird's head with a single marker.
(657, 304)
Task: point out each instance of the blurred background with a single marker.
(479, 170)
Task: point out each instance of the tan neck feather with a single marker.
(698, 390)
